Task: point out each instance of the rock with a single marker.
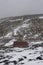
(15, 62)
(25, 57)
(21, 59)
(30, 59)
(39, 58)
(22, 63)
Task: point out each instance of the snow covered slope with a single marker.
(21, 56)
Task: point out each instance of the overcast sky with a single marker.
(20, 7)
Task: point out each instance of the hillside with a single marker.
(24, 28)
(31, 28)
(34, 22)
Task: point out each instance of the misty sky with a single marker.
(20, 7)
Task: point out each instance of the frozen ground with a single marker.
(21, 56)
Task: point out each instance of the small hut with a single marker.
(19, 42)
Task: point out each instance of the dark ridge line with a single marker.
(21, 16)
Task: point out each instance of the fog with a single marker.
(20, 7)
